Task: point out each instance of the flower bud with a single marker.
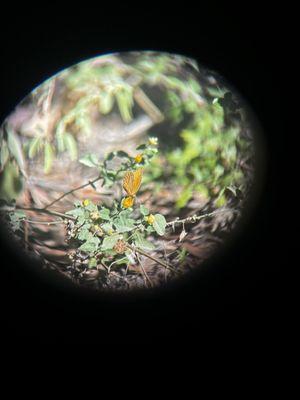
(153, 141)
(150, 219)
(138, 158)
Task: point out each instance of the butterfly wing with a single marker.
(132, 181)
(128, 183)
(137, 179)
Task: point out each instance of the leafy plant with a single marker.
(108, 235)
(12, 164)
(114, 234)
(206, 160)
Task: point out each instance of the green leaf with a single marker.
(194, 85)
(33, 147)
(104, 213)
(126, 213)
(144, 210)
(108, 181)
(182, 254)
(49, 157)
(107, 227)
(4, 154)
(150, 229)
(203, 190)
(106, 103)
(76, 212)
(175, 83)
(123, 223)
(60, 130)
(71, 145)
(84, 233)
(92, 262)
(184, 197)
(215, 92)
(110, 156)
(141, 147)
(122, 154)
(142, 243)
(11, 182)
(123, 260)
(90, 160)
(91, 207)
(125, 102)
(91, 245)
(83, 121)
(109, 242)
(17, 215)
(15, 149)
(159, 224)
(15, 219)
(221, 201)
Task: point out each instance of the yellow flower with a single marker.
(86, 202)
(138, 158)
(127, 202)
(153, 141)
(150, 219)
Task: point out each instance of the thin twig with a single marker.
(43, 211)
(147, 105)
(113, 273)
(135, 249)
(194, 218)
(48, 100)
(91, 182)
(144, 271)
(44, 222)
(27, 202)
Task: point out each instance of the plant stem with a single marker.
(72, 191)
(144, 271)
(194, 218)
(109, 272)
(135, 249)
(44, 211)
(147, 105)
(44, 222)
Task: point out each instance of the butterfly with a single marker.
(131, 184)
(132, 181)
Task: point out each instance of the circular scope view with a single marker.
(127, 170)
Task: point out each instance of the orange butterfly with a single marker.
(131, 184)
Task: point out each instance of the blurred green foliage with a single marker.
(207, 159)
(204, 160)
(12, 164)
(107, 235)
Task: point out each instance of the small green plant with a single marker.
(206, 158)
(113, 234)
(200, 128)
(110, 235)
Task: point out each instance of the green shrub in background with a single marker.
(206, 158)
